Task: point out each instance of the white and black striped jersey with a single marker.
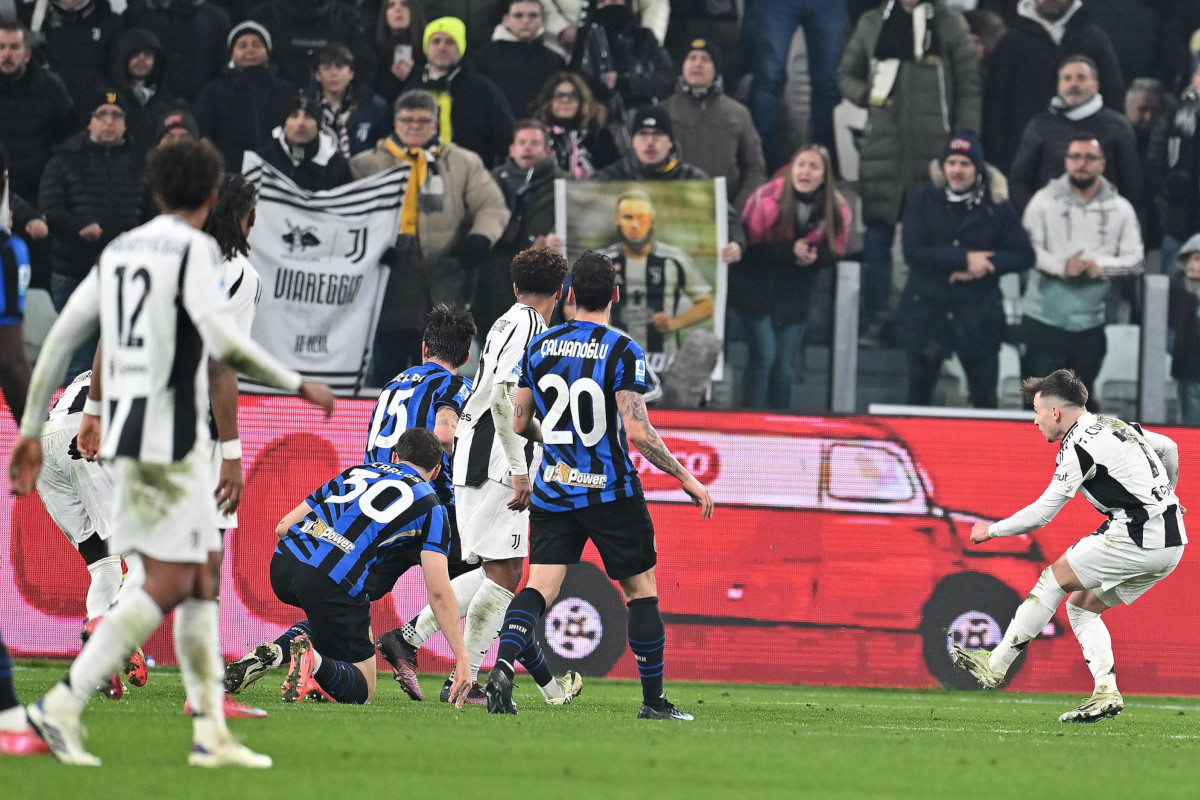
(1120, 469)
(478, 452)
(69, 402)
(243, 287)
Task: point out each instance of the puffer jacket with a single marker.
(1061, 224)
(930, 99)
(965, 317)
(519, 68)
(84, 183)
(192, 33)
(768, 280)
(472, 204)
(321, 166)
(238, 111)
(36, 113)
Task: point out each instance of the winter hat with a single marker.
(708, 46)
(452, 26)
(178, 119)
(308, 105)
(652, 117)
(106, 96)
(1192, 245)
(966, 143)
(249, 26)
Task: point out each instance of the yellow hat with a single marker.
(452, 26)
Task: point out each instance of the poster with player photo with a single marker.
(664, 238)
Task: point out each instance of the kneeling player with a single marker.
(328, 546)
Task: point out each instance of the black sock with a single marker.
(520, 626)
(647, 640)
(301, 628)
(535, 663)
(342, 681)
(8, 694)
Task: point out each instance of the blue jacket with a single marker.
(370, 121)
(966, 317)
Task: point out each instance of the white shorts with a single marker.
(489, 530)
(166, 511)
(78, 493)
(224, 521)
(1117, 570)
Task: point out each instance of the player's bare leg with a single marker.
(1083, 610)
(485, 615)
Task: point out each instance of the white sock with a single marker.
(465, 587)
(197, 645)
(106, 582)
(129, 623)
(484, 619)
(552, 690)
(1032, 616)
(1095, 641)
(135, 575)
(13, 719)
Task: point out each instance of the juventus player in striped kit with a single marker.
(157, 297)
(1129, 475)
(580, 393)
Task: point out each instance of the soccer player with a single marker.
(156, 295)
(580, 394)
(1129, 475)
(491, 483)
(428, 396)
(329, 544)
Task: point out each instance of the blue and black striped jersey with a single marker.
(575, 372)
(14, 278)
(359, 515)
(412, 400)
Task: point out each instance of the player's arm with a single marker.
(503, 401)
(524, 422)
(293, 517)
(14, 368)
(442, 600)
(1167, 451)
(645, 438)
(78, 320)
(445, 425)
(1035, 515)
(223, 395)
(87, 440)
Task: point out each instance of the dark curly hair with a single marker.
(235, 199)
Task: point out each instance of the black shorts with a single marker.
(621, 530)
(341, 624)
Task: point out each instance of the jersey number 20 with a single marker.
(573, 395)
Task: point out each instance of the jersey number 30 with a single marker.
(573, 395)
(366, 493)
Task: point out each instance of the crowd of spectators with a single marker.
(1055, 139)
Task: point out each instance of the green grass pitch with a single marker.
(746, 742)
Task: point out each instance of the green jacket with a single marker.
(931, 99)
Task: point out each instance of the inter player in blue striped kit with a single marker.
(328, 546)
(580, 393)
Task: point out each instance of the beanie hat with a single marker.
(249, 26)
(708, 46)
(178, 119)
(106, 96)
(451, 26)
(652, 117)
(966, 143)
(309, 105)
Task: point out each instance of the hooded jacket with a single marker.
(192, 35)
(142, 119)
(320, 166)
(1023, 73)
(79, 45)
(1060, 224)
(238, 111)
(1044, 148)
(519, 68)
(930, 99)
(965, 317)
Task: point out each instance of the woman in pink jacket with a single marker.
(795, 224)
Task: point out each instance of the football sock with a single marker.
(1094, 639)
(425, 623)
(342, 681)
(301, 628)
(197, 646)
(484, 618)
(648, 640)
(127, 625)
(534, 662)
(520, 625)
(106, 582)
(1032, 616)
(12, 715)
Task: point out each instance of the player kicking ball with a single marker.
(580, 393)
(327, 547)
(1129, 475)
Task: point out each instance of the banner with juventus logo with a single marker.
(319, 255)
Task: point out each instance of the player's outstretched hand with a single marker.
(700, 496)
(229, 485)
(25, 465)
(87, 441)
(979, 533)
(462, 683)
(318, 394)
(521, 493)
